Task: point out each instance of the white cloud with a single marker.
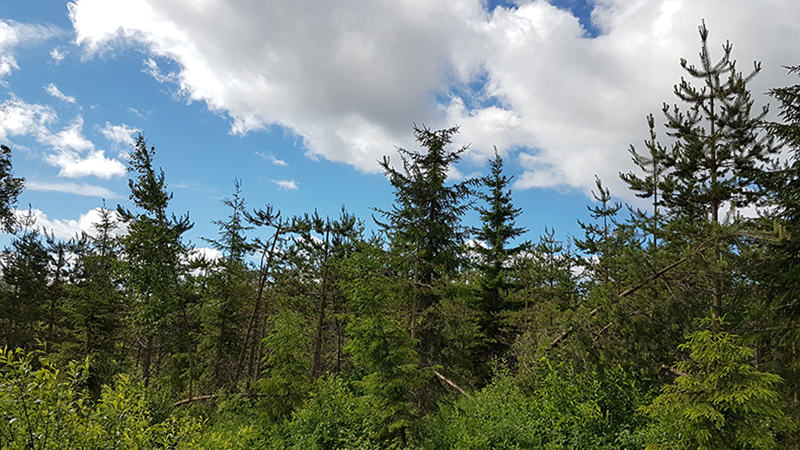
(120, 134)
(13, 34)
(271, 158)
(54, 92)
(287, 185)
(56, 55)
(8, 39)
(68, 228)
(72, 188)
(349, 78)
(210, 254)
(74, 165)
(73, 154)
(71, 147)
(18, 118)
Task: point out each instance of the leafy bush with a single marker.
(566, 410)
(46, 409)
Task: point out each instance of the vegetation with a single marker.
(673, 327)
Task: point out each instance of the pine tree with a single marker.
(718, 148)
(654, 183)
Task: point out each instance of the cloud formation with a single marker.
(13, 34)
(287, 185)
(121, 135)
(73, 154)
(271, 158)
(54, 92)
(68, 228)
(349, 78)
(72, 188)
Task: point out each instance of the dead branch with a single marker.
(455, 386)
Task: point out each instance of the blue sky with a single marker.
(300, 99)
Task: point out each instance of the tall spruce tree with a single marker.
(425, 222)
(498, 229)
(227, 287)
(95, 306)
(154, 254)
(23, 300)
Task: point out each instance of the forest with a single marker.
(671, 326)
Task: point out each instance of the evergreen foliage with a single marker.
(719, 400)
(10, 188)
(307, 333)
(498, 220)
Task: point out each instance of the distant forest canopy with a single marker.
(671, 327)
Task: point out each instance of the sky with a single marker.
(300, 99)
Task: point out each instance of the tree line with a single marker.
(667, 327)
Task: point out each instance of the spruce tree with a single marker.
(498, 229)
(775, 269)
(227, 287)
(154, 256)
(719, 401)
(95, 307)
(424, 224)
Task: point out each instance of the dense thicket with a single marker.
(670, 327)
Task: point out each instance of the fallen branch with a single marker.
(455, 386)
(202, 398)
(199, 398)
(635, 288)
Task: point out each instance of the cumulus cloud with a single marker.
(350, 78)
(72, 188)
(54, 92)
(73, 154)
(77, 157)
(287, 185)
(68, 228)
(18, 118)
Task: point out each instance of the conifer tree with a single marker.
(498, 219)
(23, 300)
(10, 188)
(718, 401)
(154, 260)
(95, 306)
(718, 149)
(776, 268)
(654, 182)
(227, 289)
(425, 222)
